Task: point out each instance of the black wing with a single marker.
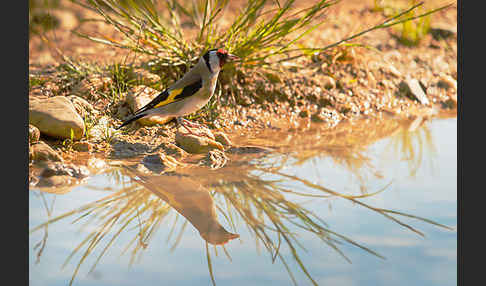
(170, 96)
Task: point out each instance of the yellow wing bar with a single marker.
(170, 98)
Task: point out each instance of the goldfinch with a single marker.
(190, 93)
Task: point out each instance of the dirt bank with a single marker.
(384, 78)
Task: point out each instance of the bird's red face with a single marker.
(224, 57)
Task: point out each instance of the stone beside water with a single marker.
(43, 152)
(411, 88)
(34, 134)
(56, 117)
(196, 144)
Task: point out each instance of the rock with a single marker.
(61, 169)
(215, 159)
(31, 153)
(446, 81)
(160, 162)
(328, 82)
(202, 130)
(328, 114)
(222, 138)
(97, 132)
(36, 93)
(51, 88)
(441, 33)
(138, 97)
(124, 149)
(371, 79)
(144, 77)
(82, 146)
(317, 117)
(304, 113)
(453, 97)
(82, 106)
(449, 103)
(393, 71)
(196, 144)
(413, 89)
(387, 84)
(34, 134)
(43, 152)
(92, 84)
(59, 178)
(33, 179)
(56, 117)
(57, 183)
(174, 151)
(324, 101)
(324, 67)
(162, 132)
(439, 64)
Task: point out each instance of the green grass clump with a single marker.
(412, 32)
(36, 81)
(121, 80)
(263, 29)
(176, 33)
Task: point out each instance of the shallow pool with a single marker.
(321, 209)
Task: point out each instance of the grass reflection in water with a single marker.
(250, 190)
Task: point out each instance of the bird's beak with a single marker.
(232, 57)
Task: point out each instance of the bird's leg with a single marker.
(183, 122)
(190, 123)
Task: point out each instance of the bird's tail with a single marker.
(131, 119)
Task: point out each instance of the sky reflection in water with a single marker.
(317, 191)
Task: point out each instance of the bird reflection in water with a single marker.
(249, 189)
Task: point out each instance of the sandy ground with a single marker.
(365, 81)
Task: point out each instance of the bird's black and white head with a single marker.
(216, 58)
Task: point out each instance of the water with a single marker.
(318, 191)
